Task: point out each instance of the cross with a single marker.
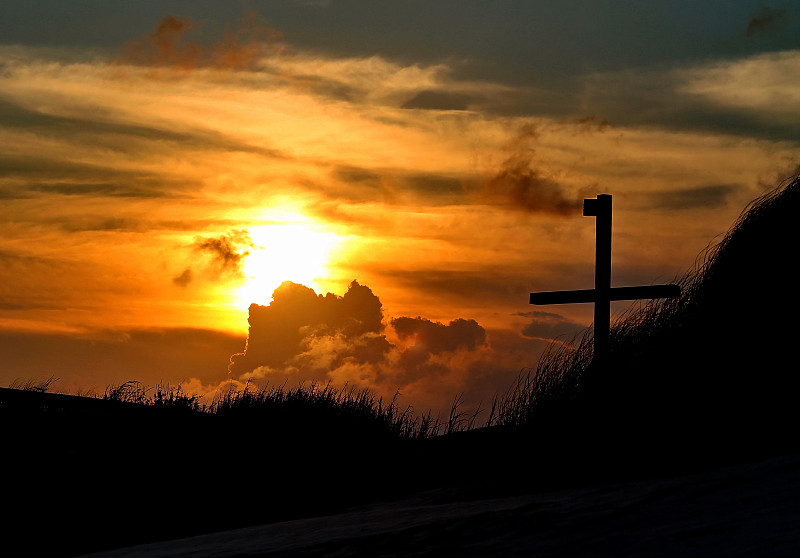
(603, 293)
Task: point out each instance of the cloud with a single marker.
(438, 100)
(551, 326)
(301, 336)
(242, 47)
(48, 175)
(297, 318)
(754, 96)
(523, 185)
(766, 19)
(184, 278)
(435, 337)
(701, 197)
(227, 251)
(487, 285)
(400, 186)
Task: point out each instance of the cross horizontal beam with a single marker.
(614, 293)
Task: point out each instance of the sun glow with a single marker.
(297, 252)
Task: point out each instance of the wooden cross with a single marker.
(603, 293)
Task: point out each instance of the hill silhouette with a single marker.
(703, 380)
(707, 377)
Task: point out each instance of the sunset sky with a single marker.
(166, 164)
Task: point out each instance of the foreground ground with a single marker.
(746, 510)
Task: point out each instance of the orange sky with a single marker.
(149, 194)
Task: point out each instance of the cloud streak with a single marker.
(243, 46)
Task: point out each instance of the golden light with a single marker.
(291, 251)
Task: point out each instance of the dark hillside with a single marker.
(82, 474)
(708, 377)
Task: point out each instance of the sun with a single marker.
(296, 251)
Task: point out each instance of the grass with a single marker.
(711, 375)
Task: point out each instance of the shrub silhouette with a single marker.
(707, 376)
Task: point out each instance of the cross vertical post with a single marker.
(600, 208)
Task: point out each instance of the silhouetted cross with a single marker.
(603, 293)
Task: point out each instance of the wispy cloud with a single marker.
(524, 185)
(243, 46)
(766, 19)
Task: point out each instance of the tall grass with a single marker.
(717, 363)
(40, 386)
(317, 404)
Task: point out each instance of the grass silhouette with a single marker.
(709, 376)
(139, 464)
(690, 382)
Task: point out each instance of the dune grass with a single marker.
(713, 371)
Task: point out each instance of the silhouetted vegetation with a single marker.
(705, 378)
(139, 464)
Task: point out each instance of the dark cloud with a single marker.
(133, 223)
(325, 87)
(358, 175)
(703, 197)
(547, 325)
(227, 251)
(461, 286)
(438, 100)
(100, 129)
(435, 185)
(281, 330)
(95, 223)
(46, 175)
(184, 278)
(435, 337)
(767, 19)
(302, 336)
(589, 124)
(111, 190)
(522, 185)
(395, 186)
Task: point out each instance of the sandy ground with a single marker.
(746, 510)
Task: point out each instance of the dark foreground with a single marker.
(86, 476)
(746, 510)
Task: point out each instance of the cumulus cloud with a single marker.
(436, 337)
(302, 336)
(297, 319)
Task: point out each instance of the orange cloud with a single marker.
(240, 48)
